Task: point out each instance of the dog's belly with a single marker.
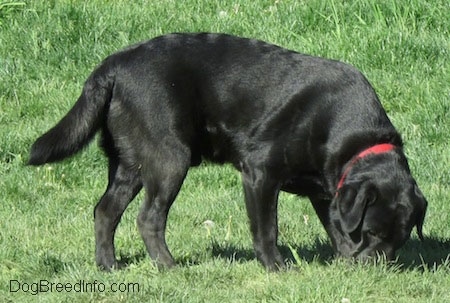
(305, 185)
(215, 145)
(296, 174)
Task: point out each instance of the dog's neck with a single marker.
(373, 150)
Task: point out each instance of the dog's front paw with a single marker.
(107, 265)
(272, 261)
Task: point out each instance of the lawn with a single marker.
(47, 50)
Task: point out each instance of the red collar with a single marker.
(374, 150)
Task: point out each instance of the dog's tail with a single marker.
(79, 125)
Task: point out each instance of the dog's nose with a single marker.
(386, 253)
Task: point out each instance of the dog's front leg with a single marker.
(261, 199)
(322, 208)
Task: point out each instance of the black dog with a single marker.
(287, 121)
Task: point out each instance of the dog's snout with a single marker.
(368, 254)
(365, 249)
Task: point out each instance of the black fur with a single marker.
(287, 121)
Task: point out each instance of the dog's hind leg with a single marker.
(162, 176)
(123, 185)
(261, 199)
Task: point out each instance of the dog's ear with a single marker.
(421, 210)
(351, 203)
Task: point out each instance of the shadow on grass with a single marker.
(319, 252)
(427, 255)
(125, 261)
(415, 255)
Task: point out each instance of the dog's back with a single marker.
(217, 84)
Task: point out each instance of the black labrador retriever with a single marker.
(287, 121)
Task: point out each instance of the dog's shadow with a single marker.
(426, 255)
(422, 255)
(126, 260)
(319, 252)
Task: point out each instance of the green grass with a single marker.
(48, 48)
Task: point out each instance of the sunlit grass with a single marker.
(48, 48)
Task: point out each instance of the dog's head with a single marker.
(376, 208)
